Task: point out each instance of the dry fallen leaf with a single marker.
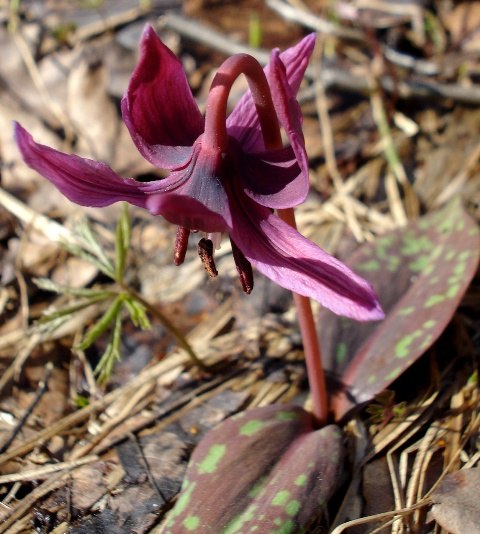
(462, 22)
(457, 503)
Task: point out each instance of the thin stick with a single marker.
(328, 144)
(391, 155)
(332, 78)
(43, 473)
(146, 465)
(308, 19)
(37, 80)
(311, 345)
(42, 388)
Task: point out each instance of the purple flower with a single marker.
(223, 176)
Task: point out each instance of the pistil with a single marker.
(205, 251)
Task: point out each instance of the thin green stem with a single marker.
(172, 329)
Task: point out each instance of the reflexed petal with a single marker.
(243, 121)
(290, 116)
(296, 60)
(194, 197)
(292, 261)
(84, 181)
(158, 107)
(272, 179)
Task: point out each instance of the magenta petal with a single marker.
(194, 197)
(292, 261)
(272, 179)
(289, 115)
(158, 107)
(84, 181)
(243, 121)
(296, 60)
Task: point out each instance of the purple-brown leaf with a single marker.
(266, 468)
(420, 273)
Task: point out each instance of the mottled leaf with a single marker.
(420, 273)
(457, 507)
(265, 470)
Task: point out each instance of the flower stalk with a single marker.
(216, 138)
(311, 344)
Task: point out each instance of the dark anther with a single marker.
(181, 244)
(205, 251)
(244, 269)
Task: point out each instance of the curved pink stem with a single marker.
(215, 135)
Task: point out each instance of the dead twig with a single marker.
(328, 145)
(343, 80)
(332, 78)
(314, 22)
(37, 80)
(374, 518)
(397, 171)
(51, 229)
(198, 32)
(44, 472)
(148, 471)
(41, 390)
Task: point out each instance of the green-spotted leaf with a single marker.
(420, 273)
(265, 470)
